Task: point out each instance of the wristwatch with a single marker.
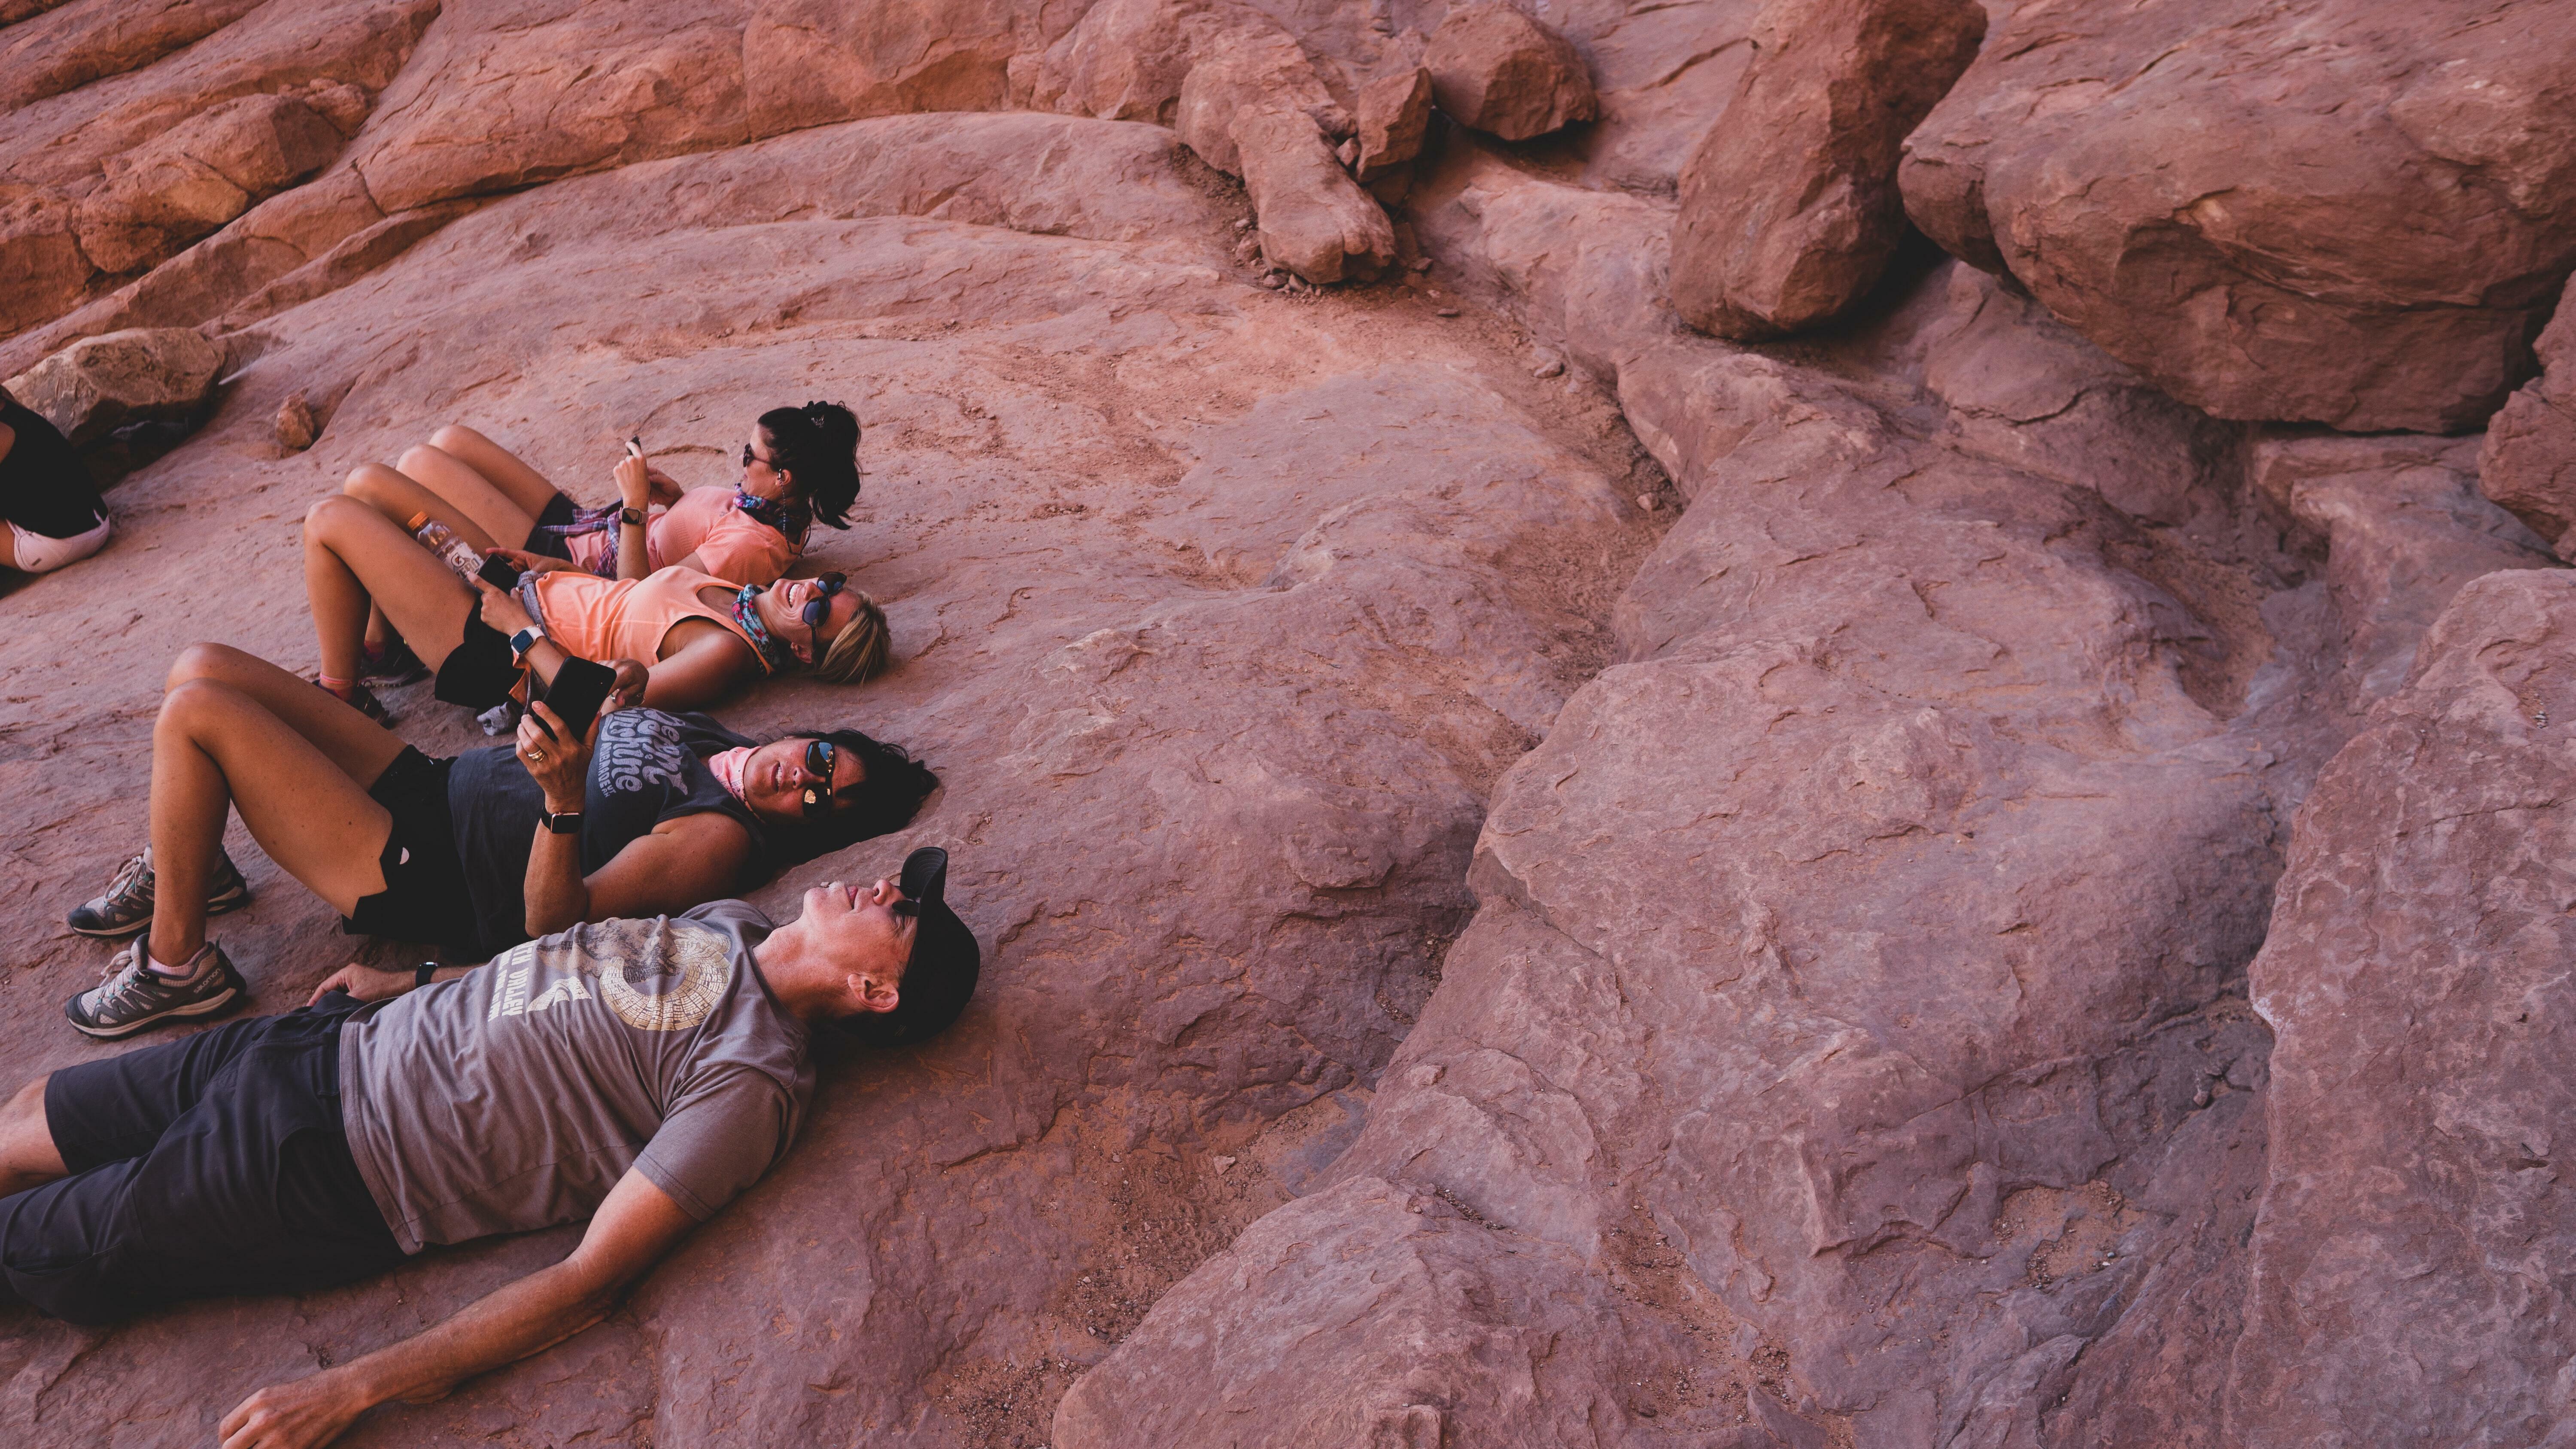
(633, 517)
(568, 823)
(422, 976)
(525, 640)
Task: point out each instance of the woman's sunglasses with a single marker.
(749, 457)
(820, 758)
(819, 608)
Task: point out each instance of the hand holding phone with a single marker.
(579, 688)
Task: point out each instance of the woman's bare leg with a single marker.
(401, 497)
(217, 748)
(356, 746)
(353, 556)
(495, 465)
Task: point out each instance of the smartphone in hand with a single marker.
(499, 572)
(580, 688)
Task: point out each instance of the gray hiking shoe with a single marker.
(133, 996)
(127, 906)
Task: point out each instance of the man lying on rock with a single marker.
(641, 1073)
(652, 812)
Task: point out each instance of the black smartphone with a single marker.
(579, 689)
(500, 573)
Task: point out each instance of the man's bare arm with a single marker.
(634, 1228)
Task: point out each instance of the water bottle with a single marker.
(452, 551)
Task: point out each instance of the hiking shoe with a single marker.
(127, 906)
(393, 664)
(363, 700)
(134, 996)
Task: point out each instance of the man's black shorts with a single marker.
(208, 1166)
(424, 898)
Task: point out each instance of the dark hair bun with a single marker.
(817, 446)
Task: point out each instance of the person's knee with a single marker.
(26, 1138)
(421, 460)
(195, 705)
(455, 436)
(203, 661)
(368, 482)
(330, 516)
(25, 1108)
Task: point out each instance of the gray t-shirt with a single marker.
(515, 1096)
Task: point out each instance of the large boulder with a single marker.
(100, 384)
(2356, 215)
(2408, 1280)
(1394, 114)
(1789, 207)
(1249, 102)
(1315, 220)
(191, 113)
(2529, 464)
(1498, 70)
(180, 186)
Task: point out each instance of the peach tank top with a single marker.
(606, 619)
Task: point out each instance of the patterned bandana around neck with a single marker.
(792, 520)
(602, 519)
(726, 766)
(776, 657)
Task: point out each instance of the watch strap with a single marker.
(568, 823)
(422, 977)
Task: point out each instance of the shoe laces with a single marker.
(130, 876)
(123, 970)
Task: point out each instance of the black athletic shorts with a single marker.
(559, 513)
(424, 898)
(480, 671)
(212, 1165)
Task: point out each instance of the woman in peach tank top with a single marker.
(799, 468)
(692, 636)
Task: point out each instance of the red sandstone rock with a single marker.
(1394, 113)
(1315, 220)
(2356, 218)
(2397, 1292)
(84, 42)
(1148, 570)
(1789, 207)
(1426, 1333)
(2405, 530)
(1495, 68)
(74, 166)
(182, 185)
(1976, 687)
(2529, 465)
(100, 384)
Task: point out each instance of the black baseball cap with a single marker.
(939, 976)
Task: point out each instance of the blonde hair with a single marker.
(860, 650)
